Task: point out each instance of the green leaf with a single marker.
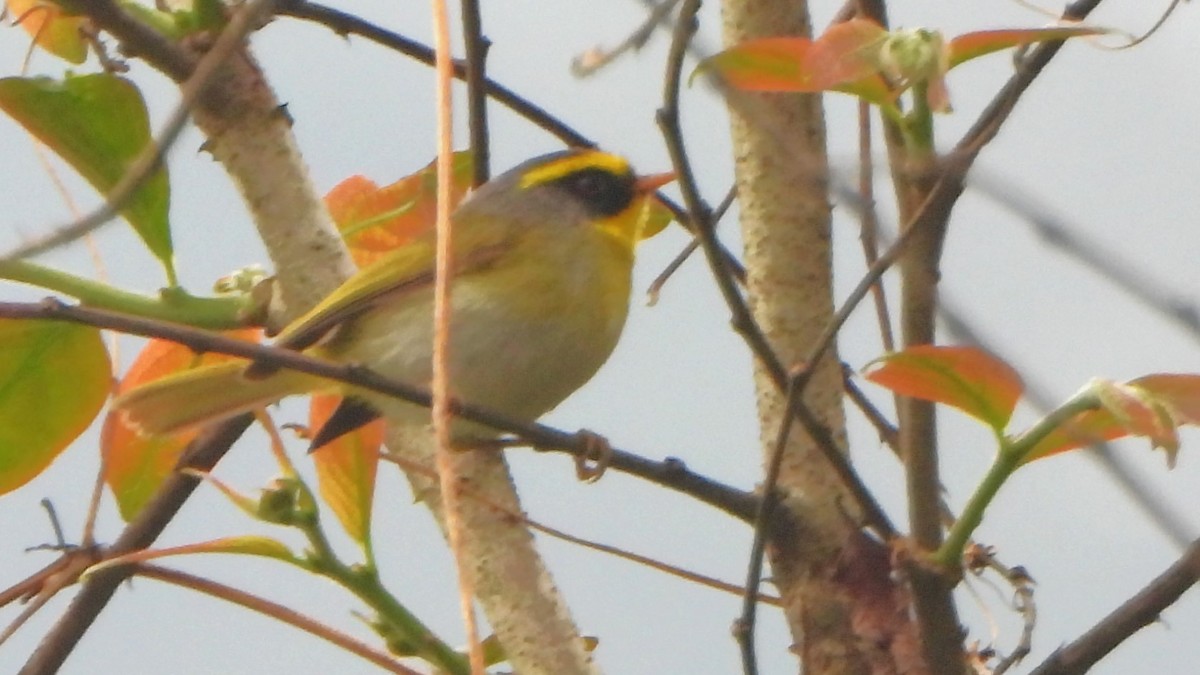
(966, 378)
(54, 378)
(98, 124)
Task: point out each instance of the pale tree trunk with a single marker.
(780, 162)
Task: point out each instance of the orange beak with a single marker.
(650, 183)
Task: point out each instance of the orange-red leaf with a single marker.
(766, 64)
(346, 468)
(844, 55)
(1093, 426)
(1179, 393)
(966, 378)
(1154, 406)
(374, 220)
(973, 45)
(51, 28)
(135, 465)
(847, 52)
(54, 378)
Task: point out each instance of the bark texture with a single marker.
(823, 573)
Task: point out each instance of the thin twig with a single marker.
(447, 462)
(274, 611)
(1024, 604)
(744, 629)
(597, 58)
(477, 46)
(656, 286)
(883, 427)
(698, 213)
(202, 454)
(868, 219)
(344, 23)
(608, 549)
(38, 588)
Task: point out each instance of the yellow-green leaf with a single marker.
(52, 28)
(98, 124)
(54, 378)
(346, 468)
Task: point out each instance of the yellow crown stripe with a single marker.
(566, 166)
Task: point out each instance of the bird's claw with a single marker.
(597, 453)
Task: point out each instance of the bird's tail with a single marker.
(207, 394)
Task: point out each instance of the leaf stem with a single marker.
(1013, 453)
(363, 581)
(917, 125)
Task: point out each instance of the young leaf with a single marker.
(847, 52)
(98, 124)
(1093, 426)
(346, 468)
(135, 465)
(979, 43)
(1153, 406)
(52, 29)
(1179, 393)
(966, 378)
(766, 64)
(54, 378)
(374, 220)
(242, 545)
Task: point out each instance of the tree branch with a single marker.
(202, 454)
(670, 473)
(1134, 614)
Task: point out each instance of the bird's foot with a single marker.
(591, 464)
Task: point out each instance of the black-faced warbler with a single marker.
(542, 257)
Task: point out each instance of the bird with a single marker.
(542, 259)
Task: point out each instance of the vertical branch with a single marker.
(744, 630)
(869, 222)
(442, 417)
(476, 76)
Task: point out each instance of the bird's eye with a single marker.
(602, 192)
